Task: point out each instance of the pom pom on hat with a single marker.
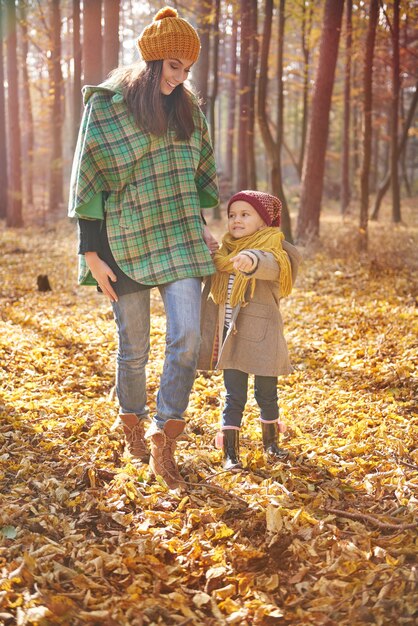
(267, 206)
(169, 36)
(165, 12)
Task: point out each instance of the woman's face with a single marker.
(174, 73)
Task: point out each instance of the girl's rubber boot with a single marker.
(270, 441)
(231, 449)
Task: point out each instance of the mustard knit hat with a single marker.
(169, 36)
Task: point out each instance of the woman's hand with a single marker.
(102, 273)
(210, 240)
(244, 262)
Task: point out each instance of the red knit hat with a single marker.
(267, 206)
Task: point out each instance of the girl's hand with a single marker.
(102, 274)
(244, 262)
(210, 240)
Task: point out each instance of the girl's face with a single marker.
(243, 220)
(174, 73)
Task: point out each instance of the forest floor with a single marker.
(328, 537)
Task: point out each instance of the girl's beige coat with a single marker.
(255, 342)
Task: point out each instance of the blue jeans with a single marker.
(132, 314)
(236, 386)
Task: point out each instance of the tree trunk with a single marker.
(3, 143)
(92, 42)
(28, 132)
(244, 89)
(77, 70)
(215, 71)
(306, 29)
(252, 168)
(14, 200)
(56, 186)
(273, 147)
(314, 163)
(110, 36)
(384, 186)
(201, 69)
(402, 158)
(345, 161)
(229, 166)
(396, 199)
(278, 189)
(367, 124)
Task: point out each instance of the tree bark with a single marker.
(345, 161)
(56, 186)
(273, 147)
(306, 29)
(385, 184)
(92, 42)
(229, 166)
(28, 132)
(3, 142)
(278, 190)
(252, 168)
(367, 124)
(201, 69)
(77, 70)
(396, 198)
(314, 163)
(215, 71)
(244, 89)
(111, 36)
(14, 200)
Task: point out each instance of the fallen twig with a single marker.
(372, 520)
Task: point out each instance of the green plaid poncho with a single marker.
(155, 188)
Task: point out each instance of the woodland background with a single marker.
(315, 101)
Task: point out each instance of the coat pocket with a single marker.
(127, 204)
(253, 321)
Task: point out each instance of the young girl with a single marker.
(242, 328)
(142, 172)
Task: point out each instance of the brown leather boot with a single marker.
(134, 431)
(163, 444)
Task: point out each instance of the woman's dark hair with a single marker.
(153, 112)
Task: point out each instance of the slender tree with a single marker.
(232, 90)
(273, 146)
(92, 42)
(244, 90)
(56, 187)
(14, 200)
(384, 186)
(201, 69)
(28, 130)
(110, 35)
(252, 168)
(314, 163)
(367, 124)
(396, 198)
(77, 69)
(345, 161)
(3, 142)
(215, 79)
(307, 13)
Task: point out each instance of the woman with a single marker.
(143, 171)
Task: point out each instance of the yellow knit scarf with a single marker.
(268, 240)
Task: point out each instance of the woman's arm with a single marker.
(89, 245)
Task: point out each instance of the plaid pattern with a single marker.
(155, 189)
